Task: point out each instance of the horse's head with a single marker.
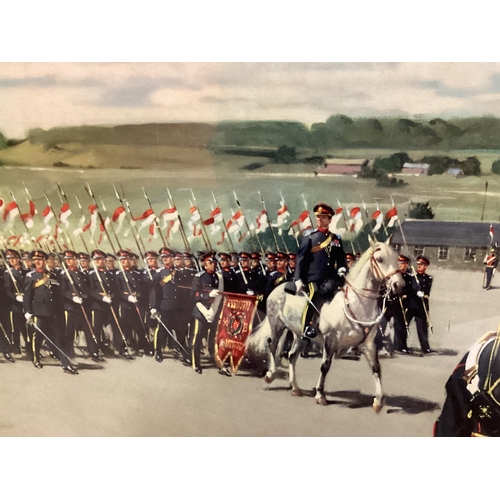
(384, 265)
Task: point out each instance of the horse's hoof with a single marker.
(268, 378)
(321, 400)
(377, 406)
(297, 392)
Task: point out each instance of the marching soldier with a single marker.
(419, 288)
(280, 275)
(148, 275)
(270, 262)
(491, 262)
(75, 289)
(255, 261)
(394, 309)
(129, 286)
(292, 260)
(205, 289)
(27, 261)
(111, 262)
(164, 302)
(228, 273)
(13, 278)
(5, 342)
(104, 290)
(41, 295)
(84, 260)
(321, 266)
(234, 260)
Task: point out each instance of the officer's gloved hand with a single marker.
(77, 300)
(213, 293)
(19, 297)
(299, 285)
(342, 272)
(132, 298)
(420, 294)
(107, 299)
(154, 313)
(29, 318)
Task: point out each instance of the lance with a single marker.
(157, 224)
(67, 202)
(367, 216)
(307, 208)
(55, 240)
(82, 213)
(248, 227)
(76, 293)
(9, 270)
(181, 225)
(268, 221)
(280, 231)
(125, 203)
(142, 254)
(415, 276)
(125, 277)
(203, 229)
(24, 222)
(113, 313)
(224, 224)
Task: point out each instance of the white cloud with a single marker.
(57, 94)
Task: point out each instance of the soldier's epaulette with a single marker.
(198, 275)
(30, 274)
(92, 271)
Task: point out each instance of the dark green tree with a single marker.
(285, 154)
(420, 211)
(3, 141)
(495, 167)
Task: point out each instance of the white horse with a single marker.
(350, 319)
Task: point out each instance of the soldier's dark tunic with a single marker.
(319, 258)
(102, 313)
(5, 346)
(184, 281)
(42, 294)
(16, 326)
(74, 283)
(203, 283)
(164, 300)
(417, 307)
(231, 282)
(131, 318)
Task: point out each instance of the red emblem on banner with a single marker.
(235, 325)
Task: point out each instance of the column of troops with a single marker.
(48, 300)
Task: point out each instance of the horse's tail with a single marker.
(258, 342)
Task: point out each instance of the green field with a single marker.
(451, 199)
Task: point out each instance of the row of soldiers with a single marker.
(49, 298)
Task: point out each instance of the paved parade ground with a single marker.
(145, 398)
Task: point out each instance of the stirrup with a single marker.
(309, 332)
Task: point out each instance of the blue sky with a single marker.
(60, 94)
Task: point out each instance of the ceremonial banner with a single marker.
(235, 325)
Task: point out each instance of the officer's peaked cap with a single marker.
(323, 209)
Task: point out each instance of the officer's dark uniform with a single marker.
(184, 280)
(103, 283)
(394, 310)
(130, 283)
(203, 283)
(319, 259)
(14, 287)
(278, 276)
(148, 276)
(5, 342)
(74, 283)
(228, 274)
(41, 294)
(491, 262)
(418, 307)
(165, 300)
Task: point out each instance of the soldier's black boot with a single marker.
(309, 332)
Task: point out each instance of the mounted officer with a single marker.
(320, 268)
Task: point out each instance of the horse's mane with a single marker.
(355, 270)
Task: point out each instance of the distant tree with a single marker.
(393, 163)
(285, 154)
(3, 141)
(437, 164)
(495, 167)
(471, 166)
(420, 211)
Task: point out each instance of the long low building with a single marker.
(460, 245)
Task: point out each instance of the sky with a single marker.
(60, 94)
